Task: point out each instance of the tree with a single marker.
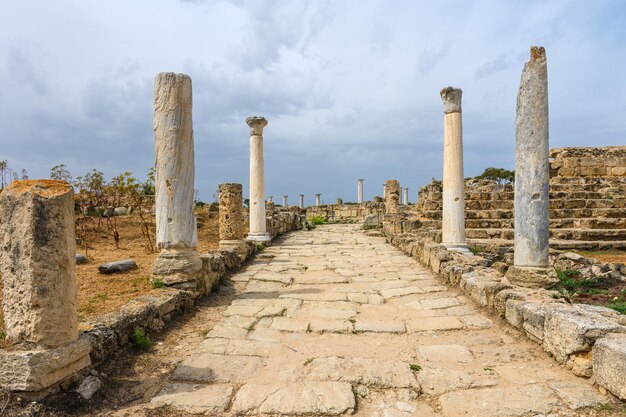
(61, 173)
(147, 187)
(24, 174)
(4, 173)
(499, 175)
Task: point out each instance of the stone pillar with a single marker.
(384, 191)
(285, 201)
(301, 201)
(360, 190)
(270, 199)
(453, 221)
(392, 196)
(532, 175)
(318, 199)
(405, 196)
(339, 201)
(176, 232)
(231, 219)
(258, 227)
(38, 267)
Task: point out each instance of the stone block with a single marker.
(609, 364)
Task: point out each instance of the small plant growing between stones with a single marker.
(353, 321)
(3, 335)
(317, 220)
(308, 361)
(157, 283)
(260, 247)
(487, 369)
(141, 340)
(550, 355)
(415, 367)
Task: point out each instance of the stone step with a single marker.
(563, 234)
(569, 213)
(555, 223)
(492, 245)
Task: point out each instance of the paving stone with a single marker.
(319, 277)
(577, 396)
(273, 277)
(286, 324)
(436, 381)
(362, 298)
(445, 354)
(498, 402)
(217, 368)
(296, 398)
(194, 398)
(399, 292)
(237, 310)
(316, 296)
(270, 312)
(331, 326)
(433, 323)
(379, 326)
(228, 332)
(331, 314)
(433, 304)
(477, 322)
(365, 371)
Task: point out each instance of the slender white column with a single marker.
(405, 196)
(285, 201)
(258, 229)
(384, 191)
(270, 199)
(178, 261)
(318, 200)
(301, 201)
(453, 224)
(360, 190)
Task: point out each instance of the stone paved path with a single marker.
(334, 322)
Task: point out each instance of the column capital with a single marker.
(451, 98)
(256, 123)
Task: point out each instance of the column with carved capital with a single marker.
(318, 199)
(453, 224)
(258, 228)
(360, 190)
(301, 201)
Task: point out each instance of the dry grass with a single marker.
(100, 294)
(608, 256)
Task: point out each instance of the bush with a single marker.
(499, 175)
(3, 335)
(140, 339)
(316, 220)
(157, 283)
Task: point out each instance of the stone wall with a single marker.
(607, 161)
(346, 212)
(588, 340)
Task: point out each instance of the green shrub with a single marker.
(316, 220)
(3, 335)
(157, 283)
(140, 339)
(415, 368)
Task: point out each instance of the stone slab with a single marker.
(433, 323)
(217, 368)
(194, 398)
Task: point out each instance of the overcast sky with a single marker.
(350, 88)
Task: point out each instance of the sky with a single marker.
(350, 88)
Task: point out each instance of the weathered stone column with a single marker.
(405, 196)
(176, 231)
(38, 267)
(285, 201)
(231, 219)
(384, 191)
(270, 199)
(318, 199)
(360, 190)
(301, 201)
(258, 227)
(453, 223)
(392, 196)
(532, 175)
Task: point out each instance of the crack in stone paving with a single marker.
(335, 322)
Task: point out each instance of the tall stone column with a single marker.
(231, 219)
(285, 201)
(301, 201)
(258, 227)
(38, 267)
(360, 190)
(392, 196)
(270, 199)
(532, 175)
(384, 191)
(453, 223)
(405, 196)
(318, 199)
(178, 261)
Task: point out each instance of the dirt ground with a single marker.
(99, 294)
(612, 255)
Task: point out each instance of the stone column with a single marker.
(384, 191)
(339, 201)
(176, 232)
(405, 196)
(285, 201)
(453, 222)
(360, 190)
(532, 175)
(38, 267)
(301, 201)
(318, 199)
(270, 199)
(231, 219)
(392, 196)
(258, 227)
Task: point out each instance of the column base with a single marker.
(259, 237)
(458, 247)
(240, 247)
(38, 369)
(530, 276)
(177, 265)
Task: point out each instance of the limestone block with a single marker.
(609, 364)
(482, 286)
(392, 196)
(231, 212)
(34, 370)
(568, 331)
(117, 266)
(38, 264)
